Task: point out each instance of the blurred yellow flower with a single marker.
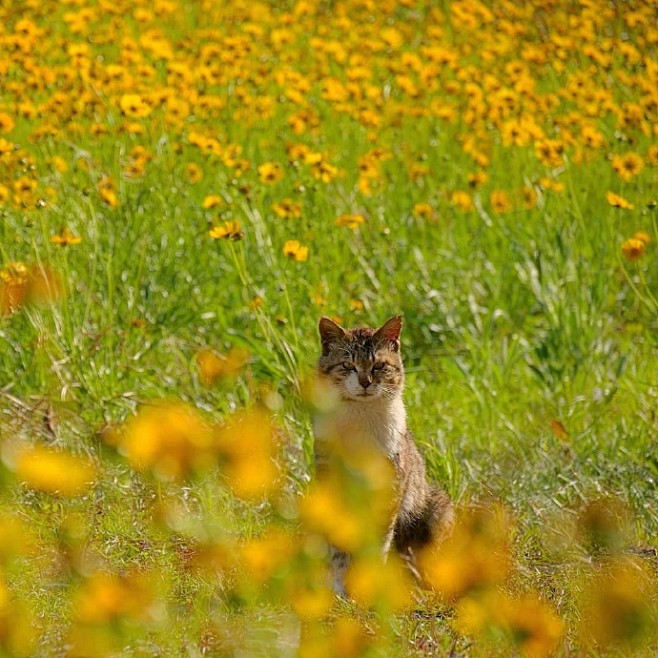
(213, 366)
(227, 231)
(134, 106)
(287, 208)
(351, 221)
(106, 597)
(54, 471)
(270, 172)
(65, 238)
(374, 584)
(294, 250)
(247, 451)
(462, 200)
(170, 439)
(633, 248)
(628, 165)
(618, 201)
(6, 123)
(500, 201)
(619, 604)
(527, 622)
(475, 556)
(263, 555)
(423, 210)
(107, 192)
(212, 201)
(193, 172)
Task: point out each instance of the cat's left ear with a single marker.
(390, 331)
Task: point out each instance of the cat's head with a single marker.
(362, 365)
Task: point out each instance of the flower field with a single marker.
(186, 187)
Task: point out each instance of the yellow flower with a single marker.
(262, 556)
(373, 584)
(633, 248)
(643, 236)
(54, 471)
(627, 165)
(500, 202)
(618, 604)
(212, 201)
(352, 221)
(618, 201)
(107, 192)
(475, 556)
(169, 439)
(106, 597)
(324, 171)
(527, 622)
(134, 106)
(270, 172)
(227, 231)
(423, 210)
(462, 200)
(213, 366)
(287, 208)
(65, 238)
(6, 123)
(193, 173)
(294, 250)
(247, 449)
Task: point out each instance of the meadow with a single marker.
(187, 187)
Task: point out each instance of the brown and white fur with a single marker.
(364, 369)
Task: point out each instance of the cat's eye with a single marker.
(348, 365)
(378, 366)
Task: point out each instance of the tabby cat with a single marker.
(364, 370)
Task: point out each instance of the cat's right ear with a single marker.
(329, 332)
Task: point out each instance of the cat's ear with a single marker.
(330, 331)
(390, 331)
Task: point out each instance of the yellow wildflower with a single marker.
(169, 439)
(270, 172)
(212, 201)
(633, 248)
(618, 201)
(65, 238)
(213, 366)
(134, 106)
(227, 231)
(423, 210)
(193, 173)
(294, 250)
(54, 471)
(627, 165)
(500, 202)
(287, 208)
(351, 221)
(247, 449)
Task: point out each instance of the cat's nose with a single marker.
(365, 381)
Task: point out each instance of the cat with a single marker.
(363, 368)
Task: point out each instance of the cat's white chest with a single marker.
(379, 423)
